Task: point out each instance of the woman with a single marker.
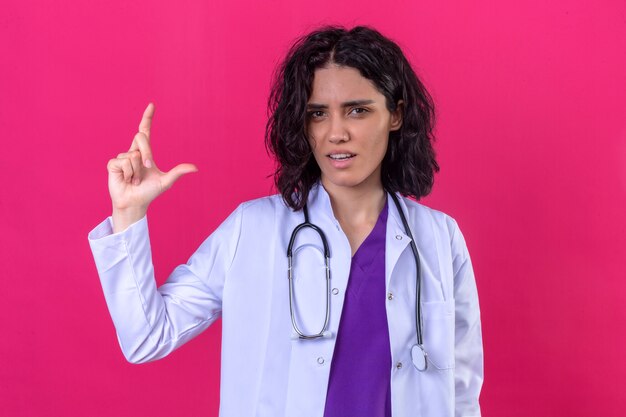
(351, 131)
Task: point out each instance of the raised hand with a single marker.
(135, 180)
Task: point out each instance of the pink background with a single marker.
(531, 99)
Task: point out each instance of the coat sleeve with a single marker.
(468, 351)
(151, 322)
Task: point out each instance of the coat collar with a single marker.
(397, 239)
(319, 202)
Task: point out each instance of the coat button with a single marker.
(335, 291)
(399, 237)
(399, 365)
(390, 296)
(320, 360)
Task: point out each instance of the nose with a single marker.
(338, 132)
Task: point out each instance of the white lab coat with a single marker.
(240, 273)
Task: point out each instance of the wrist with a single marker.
(122, 218)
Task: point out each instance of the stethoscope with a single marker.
(418, 353)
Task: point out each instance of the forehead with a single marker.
(334, 83)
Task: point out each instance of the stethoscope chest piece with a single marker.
(419, 357)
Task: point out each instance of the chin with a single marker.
(344, 181)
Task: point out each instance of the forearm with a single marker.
(148, 324)
(468, 372)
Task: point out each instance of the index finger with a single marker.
(146, 120)
(141, 143)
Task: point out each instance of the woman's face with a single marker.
(348, 127)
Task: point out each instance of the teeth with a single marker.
(341, 156)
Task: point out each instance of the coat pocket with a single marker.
(438, 333)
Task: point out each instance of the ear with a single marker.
(396, 116)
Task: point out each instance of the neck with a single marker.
(354, 206)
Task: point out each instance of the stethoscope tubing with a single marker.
(307, 224)
(418, 353)
(418, 281)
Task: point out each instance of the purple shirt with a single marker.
(360, 374)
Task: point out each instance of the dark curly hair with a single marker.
(409, 164)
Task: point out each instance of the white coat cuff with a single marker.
(109, 248)
(105, 229)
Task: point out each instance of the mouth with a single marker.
(341, 156)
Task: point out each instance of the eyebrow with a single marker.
(344, 104)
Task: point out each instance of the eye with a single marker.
(315, 114)
(359, 110)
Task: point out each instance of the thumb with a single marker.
(170, 177)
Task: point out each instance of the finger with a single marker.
(136, 164)
(123, 166)
(175, 173)
(141, 143)
(135, 161)
(146, 120)
(127, 167)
